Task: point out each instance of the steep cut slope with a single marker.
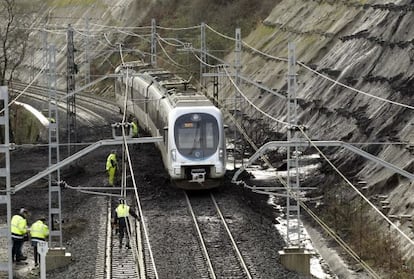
(95, 36)
(367, 45)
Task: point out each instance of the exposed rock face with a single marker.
(366, 45)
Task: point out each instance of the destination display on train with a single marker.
(188, 125)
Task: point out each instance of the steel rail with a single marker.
(234, 246)
(203, 245)
(239, 255)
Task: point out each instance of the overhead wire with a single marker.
(181, 43)
(205, 63)
(336, 82)
(86, 33)
(339, 240)
(32, 81)
(179, 28)
(249, 46)
(313, 71)
(250, 102)
(168, 56)
(322, 154)
(355, 189)
(108, 41)
(55, 32)
(224, 64)
(143, 37)
(122, 27)
(166, 40)
(137, 199)
(24, 90)
(125, 155)
(170, 59)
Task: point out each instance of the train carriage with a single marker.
(193, 149)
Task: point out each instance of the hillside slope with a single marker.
(367, 45)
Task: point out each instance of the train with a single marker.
(164, 104)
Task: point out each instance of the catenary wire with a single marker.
(315, 72)
(133, 178)
(324, 156)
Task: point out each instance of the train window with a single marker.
(209, 135)
(196, 137)
(189, 138)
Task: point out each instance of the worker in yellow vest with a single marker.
(134, 129)
(111, 167)
(39, 231)
(19, 235)
(123, 211)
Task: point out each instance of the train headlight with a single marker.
(195, 117)
(174, 154)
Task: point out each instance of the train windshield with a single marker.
(196, 135)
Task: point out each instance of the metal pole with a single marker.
(153, 43)
(203, 49)
(71, 101)
(5, 173)
(237, 97)
(87, 58)
(55, 212)
(293, 207)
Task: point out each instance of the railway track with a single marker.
(215, 252)
(180, 251)
(90, 109)
(198, 235)
(43, 91)
(113, 261)
(221, 254)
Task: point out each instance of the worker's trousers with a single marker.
(111, 176)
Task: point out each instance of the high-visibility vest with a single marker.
(111, 157)
(39, 230)
(134, 129)
(122, 211)
(18, 226)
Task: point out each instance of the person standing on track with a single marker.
(123, 211)
(111, 167)
(39, 231)
(19, 235)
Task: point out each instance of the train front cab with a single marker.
(197, 150)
